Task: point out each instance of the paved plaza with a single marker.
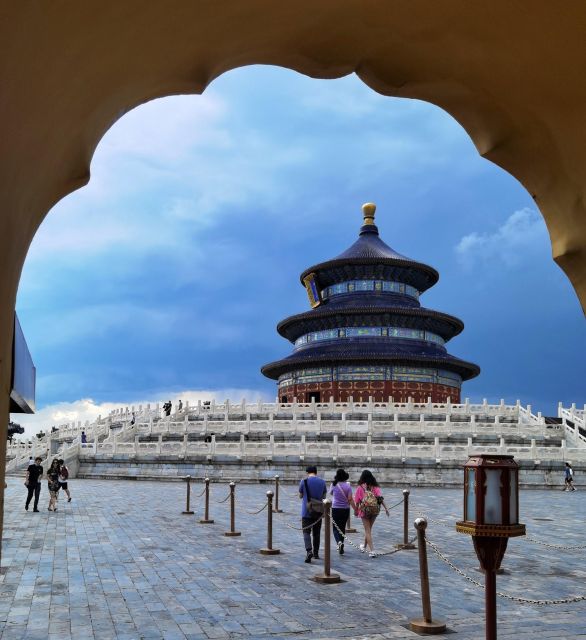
(120, 561)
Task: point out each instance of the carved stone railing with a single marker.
(302, 449)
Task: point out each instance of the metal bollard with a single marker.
(232, 532)
(405, 544)
(276, 509)
(268, 550)
(188, 511)
(206, 518)
(349, 527)
(327, 577)
(424, 625)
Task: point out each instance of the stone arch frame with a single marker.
(510, 73)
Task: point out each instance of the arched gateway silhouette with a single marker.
(70, 70)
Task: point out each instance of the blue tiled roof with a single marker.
(369, 245)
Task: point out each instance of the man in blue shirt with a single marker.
(311, 487)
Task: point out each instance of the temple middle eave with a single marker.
(445, 325)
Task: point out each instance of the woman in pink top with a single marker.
(368, 499)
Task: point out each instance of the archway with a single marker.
(520, 97)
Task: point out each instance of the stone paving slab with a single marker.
(121, 562)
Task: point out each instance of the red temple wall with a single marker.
(378, 390)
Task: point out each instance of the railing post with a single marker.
(232, 532)
(206, 518)
(327, 577)
(349, 527)
(424, 625)
(406, 544)
(276, 509)
(268, 550)
(188, 511)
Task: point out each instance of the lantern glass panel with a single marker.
(493, 508)
(514, 507)
(470, 515)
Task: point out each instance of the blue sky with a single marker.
(167, 274)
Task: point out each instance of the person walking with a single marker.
(341, 493)
(312, 490)
(569, 478)
(368, 500)
(83, 438)
(53, 484)
(63, 475)
(33, 483)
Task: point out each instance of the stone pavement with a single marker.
(120, 561)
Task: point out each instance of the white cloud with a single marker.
(164, 171)
(522, 231)
(86, 409)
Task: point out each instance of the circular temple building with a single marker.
(367, 334)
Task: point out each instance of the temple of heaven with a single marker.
(366, 334)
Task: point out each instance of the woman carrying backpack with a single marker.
(368, 499)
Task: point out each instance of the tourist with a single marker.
(53, 484)
(63, 475)
(180, 406)
(33, 483)
(83, 437)
(368, 499)
(30, 461)
(341, 492)
(133, 419)
(312, 490)
(569, 478)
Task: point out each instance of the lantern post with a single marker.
(491, 517)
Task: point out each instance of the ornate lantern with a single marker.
(491, 516)
(491, 497)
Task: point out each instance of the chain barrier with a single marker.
(549, 545)
(253, 513)
(199, 495)
(389, 553)
(309, 526)
(507, 596)
(556, 546)
(353, 544)
(224, 500)
(441, 523)
(396, 505)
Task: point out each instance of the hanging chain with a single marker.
(396, 505)
(224, 500)
(556, 546)
(353, 544)
(549, 545)
(309, 526)
(438, 522)
(507, 596)
(253, 513)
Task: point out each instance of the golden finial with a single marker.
(368, 210)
